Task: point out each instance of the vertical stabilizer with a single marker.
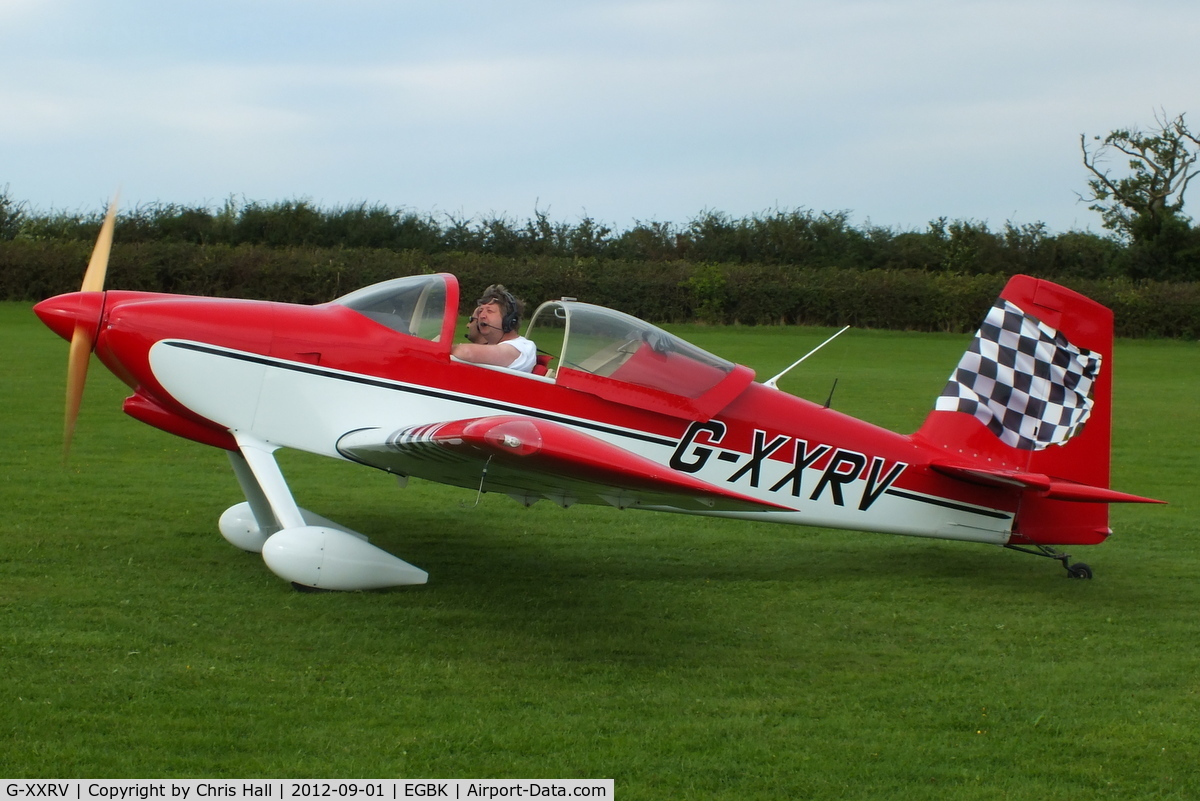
(1032, 394)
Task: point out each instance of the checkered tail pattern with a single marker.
(1023, 380)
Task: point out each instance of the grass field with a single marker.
(682, 657)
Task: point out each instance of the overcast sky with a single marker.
(897, 112)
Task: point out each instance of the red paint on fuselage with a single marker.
(337, 338)
(754, 418)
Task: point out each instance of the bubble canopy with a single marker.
(619, 357)
(612, 344)
(594, 349)
(415, 304)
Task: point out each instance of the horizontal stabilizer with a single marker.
(1054, 489)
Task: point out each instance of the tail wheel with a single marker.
(1079, 571)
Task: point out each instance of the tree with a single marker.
(1148, 202)
(11, 214)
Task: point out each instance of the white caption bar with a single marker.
(314, 789)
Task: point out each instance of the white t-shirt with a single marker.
(528, 354)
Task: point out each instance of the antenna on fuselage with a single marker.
(771, 382)
(829, 400)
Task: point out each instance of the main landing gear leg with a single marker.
(1078, 570)
(297, 545)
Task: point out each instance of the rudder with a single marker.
(1032, 395)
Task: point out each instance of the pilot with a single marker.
(492, 333)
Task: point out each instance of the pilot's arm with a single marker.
(500, 354)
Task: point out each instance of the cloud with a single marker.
(13, 11)
(900, 112)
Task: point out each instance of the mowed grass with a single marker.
(683, 657)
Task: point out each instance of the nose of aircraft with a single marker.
(63, 313)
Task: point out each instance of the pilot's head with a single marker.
(497, 307)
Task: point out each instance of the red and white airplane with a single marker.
(1015, 452)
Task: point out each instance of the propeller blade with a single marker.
(93, 279)
(82, 340)
(77, 367)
